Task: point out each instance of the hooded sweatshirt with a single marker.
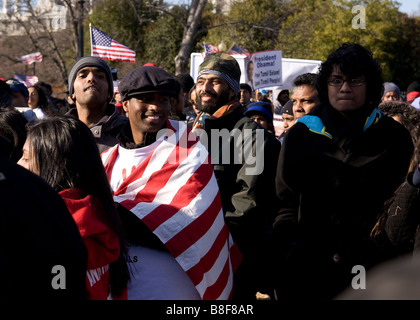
(101, 242)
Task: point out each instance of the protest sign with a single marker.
(264, 69)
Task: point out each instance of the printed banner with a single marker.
(264, 69)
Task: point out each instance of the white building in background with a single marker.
(52, 12)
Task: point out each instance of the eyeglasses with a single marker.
(338, 82)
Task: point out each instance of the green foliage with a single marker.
(312, 29)
(318, 27)
(256, 25)
(126, 21)
(303, 29)
(163, 39)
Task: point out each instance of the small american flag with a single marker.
(31, 58)
(238, 50)
(27, 80)
(175, 193)
(208, 48)
(102, 46)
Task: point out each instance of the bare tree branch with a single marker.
(254, 26)
(57, 57)
(12, 59)
(74, 23)
(166, 11)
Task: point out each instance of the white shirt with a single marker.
(127, 160)
(156, 275)
(39, 113)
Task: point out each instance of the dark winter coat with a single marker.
(40, 242)
(332, 180)
(107, 128)
(248, 199)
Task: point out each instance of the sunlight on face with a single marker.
(27, 160)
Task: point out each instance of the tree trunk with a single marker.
(190, 33)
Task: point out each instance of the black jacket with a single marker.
(37, 232)
(247, 187)
(332, 181)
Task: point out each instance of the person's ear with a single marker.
(125, 105)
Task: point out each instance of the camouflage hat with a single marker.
(223, 65)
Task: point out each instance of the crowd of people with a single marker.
(168, 188)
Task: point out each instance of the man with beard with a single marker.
(91, 88)
(244, 158)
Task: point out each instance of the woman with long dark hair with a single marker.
(63, 152)
(38, 102)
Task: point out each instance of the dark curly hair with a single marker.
(354, 60)
(305, 79)
(408, 115)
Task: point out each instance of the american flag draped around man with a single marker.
(175, 193)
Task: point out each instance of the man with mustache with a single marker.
(91, 88)
(248, 198)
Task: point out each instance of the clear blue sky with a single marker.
(410, 6)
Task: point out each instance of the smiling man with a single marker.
(169, 201)
(337, 167)
(91, 88)
(248, 197)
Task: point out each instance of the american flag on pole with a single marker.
(175, 193)
(27, 80)
(208, 48)
(31, 58)
(238, 50)
(102, 46)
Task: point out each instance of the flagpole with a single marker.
(90, 33)
(80, 38)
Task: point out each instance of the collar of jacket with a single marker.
(111, 113)
(127, 141)
(315, 124)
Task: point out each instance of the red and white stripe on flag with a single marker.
(27, 80)
(31, 58)
(208, 49)
(180, 203)
(102, 46)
